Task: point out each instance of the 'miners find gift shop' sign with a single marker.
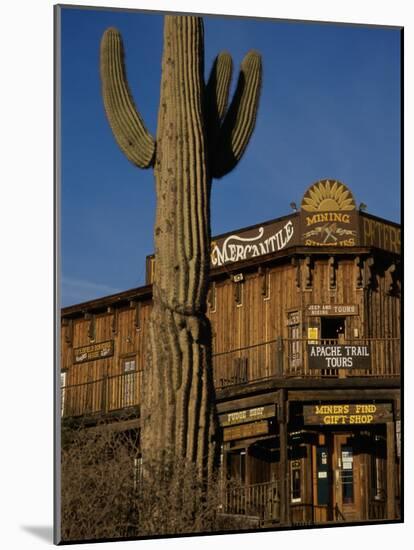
(339, 356)
(347, 413)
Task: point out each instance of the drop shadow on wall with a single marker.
(43, 532)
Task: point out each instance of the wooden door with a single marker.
(346, 479)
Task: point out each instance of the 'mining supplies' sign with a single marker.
(328, 215)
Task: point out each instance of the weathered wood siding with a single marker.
(242, 314)
(263, 317)
(97, 385)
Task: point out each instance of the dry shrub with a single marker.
(107, 494)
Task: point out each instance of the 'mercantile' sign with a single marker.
(255, 242)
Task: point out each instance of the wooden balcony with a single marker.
(288, 358)
(279, 358)
(108, 394)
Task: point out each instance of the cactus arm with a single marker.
(217, 89)
(240, 119)
(216, 97)
(127, 125)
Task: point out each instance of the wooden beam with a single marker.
(332, 272)
(145, 292)
(283, 461)
(391, 470)
(359, 277)
(114, 300)
(370, 277)
(114, 322)
(307, 384)
(136, 305)
(279, 357)
(373, 394)
(307, 265)
(69, 331)
(247, 403)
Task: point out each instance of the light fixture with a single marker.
(293, 206)
(362, 207)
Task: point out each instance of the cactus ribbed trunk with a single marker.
(177, 409)
(197, 138)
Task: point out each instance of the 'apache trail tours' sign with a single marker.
(341, 356)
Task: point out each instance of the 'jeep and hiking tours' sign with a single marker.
(318, 310)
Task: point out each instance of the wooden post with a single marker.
(283, 463)
(390, 470)
(279, 357)
(342, 373)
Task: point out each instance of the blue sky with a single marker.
(330, 108)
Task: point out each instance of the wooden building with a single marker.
(305, 314)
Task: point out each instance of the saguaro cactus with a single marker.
(197, 139)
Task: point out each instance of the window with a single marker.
(238, 293)
(236, 465)
(212, 297)
(265, 283)
(295, 342)
(129, 389)
(295, 481)
(347, 474)
(378, 473)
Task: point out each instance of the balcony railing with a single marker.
(279, 358)
(261, 500)
(289, 358)
(105, 395)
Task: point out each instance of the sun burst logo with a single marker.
(328, 196)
